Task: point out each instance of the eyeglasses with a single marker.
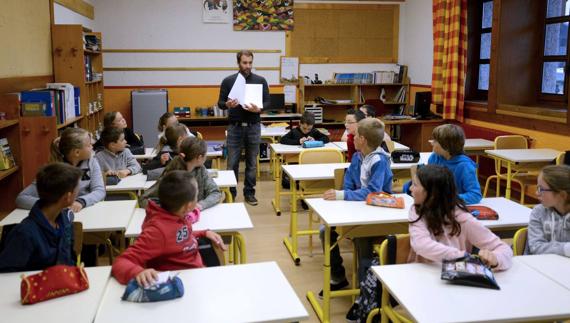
(349, 122)
(540, 189)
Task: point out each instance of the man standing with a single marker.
(244, 128)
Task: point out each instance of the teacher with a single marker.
(244, 129)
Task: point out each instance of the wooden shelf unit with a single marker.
(69, 65)
(11, 179)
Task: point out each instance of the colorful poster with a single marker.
(216, 11)
(261, 15)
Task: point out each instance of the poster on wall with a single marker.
(289, 69)
(268, 15)
(216, 12)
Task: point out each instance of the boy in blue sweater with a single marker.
(45, 237)
(369, 171)
(448, 141)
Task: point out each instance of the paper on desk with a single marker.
(253, 94)
(238, 89)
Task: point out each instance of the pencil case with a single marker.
(313, 144)
(385, 199)
(407, 156)
(171, 289)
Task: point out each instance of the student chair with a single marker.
(393, 250)
(519, 241)
(78, 240)
(521, 178)
(560, 158)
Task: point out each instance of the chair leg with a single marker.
(487, 182)
(109, 245)
(498, 193)
(310, 235)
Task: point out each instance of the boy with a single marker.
(115, 159)
(448, 141)
(45, 237)
(167, 241)
(304, 132)
(369, 171)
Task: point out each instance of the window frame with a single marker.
(475, 32)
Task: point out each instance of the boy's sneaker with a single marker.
(351, 316)
(304, 205)
(335, 286)
(250, 199)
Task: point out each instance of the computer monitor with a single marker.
(277, 102)
(421, 106)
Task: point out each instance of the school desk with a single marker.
(77, 308)
(555, 267)
(131, 185)
(397, 146)
(215, 155)
(525, 295)
(244, 293)
(476, 147)
(271, 135)
(149, 153)
(356, 219)
(518, 160)
(226, 219)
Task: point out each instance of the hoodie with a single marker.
(167, 242)
(548, 232)
(294, 136)
(365, 176)
(108, 160)
(34, 244)
(465, 177)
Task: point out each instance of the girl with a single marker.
(167, 148)
(115, 119)
(440, 228)
(191, 157)
(549, 226)
(166, 120)
(73, 147)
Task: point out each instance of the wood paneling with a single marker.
(36, 134)
(157, 50)
(81, 7)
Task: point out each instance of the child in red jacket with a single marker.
(167, 241)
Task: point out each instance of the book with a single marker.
(6, 158)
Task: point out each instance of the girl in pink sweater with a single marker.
(441, 227)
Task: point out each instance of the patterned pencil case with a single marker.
(167, 290)
(313, 144)
(481, 212)
(385, 199)
(470, 271)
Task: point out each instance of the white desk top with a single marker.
(273, 131)
(282, 149)
(226, 178)
(80, 307)
(129, 183)
(552, 266)
(525, 155)
(478, 144)
(525, 295)
(241, 293)
(223, 217)
(149, 153)
(101, 217)
(397, 146)
(511, 214)
(313, 171)
(213, 153)
(423, 160)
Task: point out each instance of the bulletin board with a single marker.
(345, 33)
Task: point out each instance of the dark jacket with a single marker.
(238, 114)
(35, 245)
(293, 136)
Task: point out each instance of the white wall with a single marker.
(64, 16)
(416, 39)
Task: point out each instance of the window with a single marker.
(480, 21)
(555, 51)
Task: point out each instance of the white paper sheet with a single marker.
(253, 94)
(238, 89)
(290, 93)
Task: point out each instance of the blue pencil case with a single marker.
(171, 289)
(313, 144)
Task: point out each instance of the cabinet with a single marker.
(10, 179)
(78, 59)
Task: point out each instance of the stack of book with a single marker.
(56, 99)
(353, 78)
(6, 158)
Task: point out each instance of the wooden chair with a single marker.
(393, 250)
(78, 240)
(523, 179)
(339, 178)
(560, 158)
(519, 241)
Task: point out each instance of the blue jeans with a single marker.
(240, 137)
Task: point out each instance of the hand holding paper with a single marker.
(238, 89)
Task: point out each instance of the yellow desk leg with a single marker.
(277, 199)
(323, 313)
(228, 198)
(292, 245)
(508, 192)
(240, 245)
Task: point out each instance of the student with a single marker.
(167, 150)
(369, 171)
(549, 226)
(304, 132)
(440, 228)
(115, 119)
(448, 141)
(45, 237)
(370, 112)
(166, 120)
(115, 159)
(350, 122)
(167, 241)
(191, 158)
(74, 148)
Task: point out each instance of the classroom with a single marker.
(284, 161)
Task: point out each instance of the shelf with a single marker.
(336, 123)
(393, 103)
(326, 85)
(309, 104)
(8, 123)
(94, 82)
(384, 84)
(68, 122)
(94, 112)
(89, 51)
(8, 172)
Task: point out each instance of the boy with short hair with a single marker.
(304, 132)
(167, 241)
(45, 237)
(369, 172)
(115, 159)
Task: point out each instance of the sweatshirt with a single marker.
(34, 244)
(154, 169)
(464, 175)
(548, 232)
(167, 242)
(108, 160)
(364, 176)
(427, 248)
(91, 187)
(135, 142)
(294, 136)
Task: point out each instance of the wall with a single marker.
(64, 16)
